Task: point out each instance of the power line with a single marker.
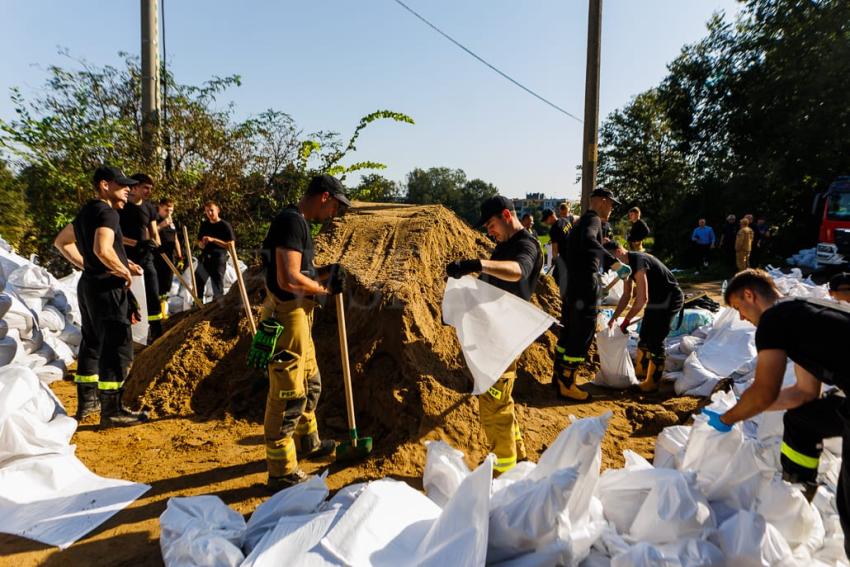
(482, 60)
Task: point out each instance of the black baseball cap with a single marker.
(840, 282)
(494, 206)
(107, 173)
(329, 183)
(602, 192)
(546, 214)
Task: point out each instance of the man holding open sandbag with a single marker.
(284, 341)
(657, 293)
(810, 332)
(514, 267)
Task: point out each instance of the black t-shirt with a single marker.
(810, 332)
(660, 280)
(167, 235)
(93, 215)
(558, 234)
(730, 233)
(525, 250)
(221, 230)
(290, 230)
(136, 220)
(585, 254)
(639, 231)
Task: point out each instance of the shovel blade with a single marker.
(348, 451)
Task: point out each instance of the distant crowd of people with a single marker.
(742, 243)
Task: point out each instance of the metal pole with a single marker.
(591, 103)
(150, 81)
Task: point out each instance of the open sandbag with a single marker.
(445, 470)
(616, 368)
(201, 530)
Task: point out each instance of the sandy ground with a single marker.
(207, 438)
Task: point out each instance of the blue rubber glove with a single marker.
(624, 271)
(714, 421)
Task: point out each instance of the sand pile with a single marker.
(410, 382)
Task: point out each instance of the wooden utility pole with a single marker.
(591, 103)
(150, 81)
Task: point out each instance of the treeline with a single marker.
(754, 118)
(91, 115)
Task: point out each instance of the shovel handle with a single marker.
(242, 289)
(176, 272)
(346, 370)
(187, 244)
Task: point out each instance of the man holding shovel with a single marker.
(658, 292)
(514, 267)
(293, 285)
(810, 332)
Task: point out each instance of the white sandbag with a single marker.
(696, 379)
(670, 446)
(616, 368)
(693, 553)
(784, 506)
(674, 362)
(690, 343)
(63, 352)
(386, 510)
(616, 291)
(493, 326)
(38, 358)
(5, 304)
(201, 530)
(709, 451)
(673, 510)
(641, 554)
(748, 541)
(301, 499)
(730, 344)
(19, 316)
(32, 281)
(71, 335)
(140, 329)
(51, 372)
(291, 539)
(52, 319)
(445, 470)
(529, 520)
(516, 473)
(32, 421)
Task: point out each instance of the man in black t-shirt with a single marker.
(294, 284)
(214, 237)
(559, 231)
(514, 267)
(170, 246)
(141, 241)
(92, 243)
(638, 232)
(811, 333)
(656, 290)
(585, 258)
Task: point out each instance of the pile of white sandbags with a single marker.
(39, 317)
(806, 258)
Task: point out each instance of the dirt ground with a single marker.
(410, 385)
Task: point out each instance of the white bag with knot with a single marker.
(616, 368)
(201, 530)
(445, 469)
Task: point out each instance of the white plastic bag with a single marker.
(748, 541)
(140, 329)
(670, 446)
(709, 451)
(493, 326)
(201, 530)
(673, 510)
(445, 470)
(616, 368)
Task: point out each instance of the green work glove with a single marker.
(262, 347)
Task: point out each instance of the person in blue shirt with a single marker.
(703, 239)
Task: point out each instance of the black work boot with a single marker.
(311, 447)
(155, 330)
(278, 483)
(87, 402)
(113, 413)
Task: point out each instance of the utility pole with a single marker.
(150, 81)
(591, 103)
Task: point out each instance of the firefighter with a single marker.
(585, 257)
(93, 243)
(141, 243)
(514, 267)
(170, 247)
(656, 290)
(808, 332)
(293, 286)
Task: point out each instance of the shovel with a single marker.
(357, 447)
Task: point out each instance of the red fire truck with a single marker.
(833, 209)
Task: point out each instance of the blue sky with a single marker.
(329, 62)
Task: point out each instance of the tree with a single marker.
(377, 189)
(14, 216)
